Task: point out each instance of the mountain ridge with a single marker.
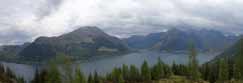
(79, 44)
(177, 40)
(90, 41)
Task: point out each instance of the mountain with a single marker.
(232, 51)
(9, 52)
(82, 43)
(143, 42)
(178, 40)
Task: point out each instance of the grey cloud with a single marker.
(29, 19)
(49, 6)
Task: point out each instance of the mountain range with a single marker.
(178, 40)
(82, 43)
(90, 41)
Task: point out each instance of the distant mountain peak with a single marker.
(82, 43)
(88, 29)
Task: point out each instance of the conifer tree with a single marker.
(158, 70)
(236, 72)
(193, 64)
(238, 66)
(125, 72)
(36, 77)
(2, 69)
(167, 70)
(117, 75)
(96, 77)
(90, 79)
(21, 80)
(53, 75)
(205, 69)
(134, 73)
(145, 71)
(223, 71)
(79, 77)
(120, 79)
(43, 76)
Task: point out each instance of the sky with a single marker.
(24, 20)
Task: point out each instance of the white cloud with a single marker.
(24, 20)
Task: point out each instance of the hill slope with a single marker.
(82, 43)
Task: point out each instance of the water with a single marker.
(105, 65)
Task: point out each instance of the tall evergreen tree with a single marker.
(43, 76)
(145, 71)
(236, 72)
(193, 64)
(174, 68)
(21, 80)
(125, 72)
(36, 77)
(120, 79)
(117, 75)
(2, 69)
(96, 77)
(53, 75)
(238, 66)
(10, 73)
(158, 70)
(91, 79)
(205, 70)
(134, 73)
(167, 70)
(223, 71)
(79, 77)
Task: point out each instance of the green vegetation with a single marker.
(7, 76)
(194, 73)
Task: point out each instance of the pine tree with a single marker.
(120, 79)
(10, 73)
(193, 64)
(90, 79)
(205, 69)
(236, 72)
(21, 80)
(79, 77)
(2, 70)
(223, 71)
(96, 77)
(167, 70)
(117, 75)
(174, 70)
(53, 75)
(36, 77)
(238, 62)
(158, 70)
(125, 72)
(145, 71)
(43, 76)
(134, 73)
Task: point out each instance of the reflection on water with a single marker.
(105, 65)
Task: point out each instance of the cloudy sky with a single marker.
(24, 20)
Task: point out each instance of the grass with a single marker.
(178, 79)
